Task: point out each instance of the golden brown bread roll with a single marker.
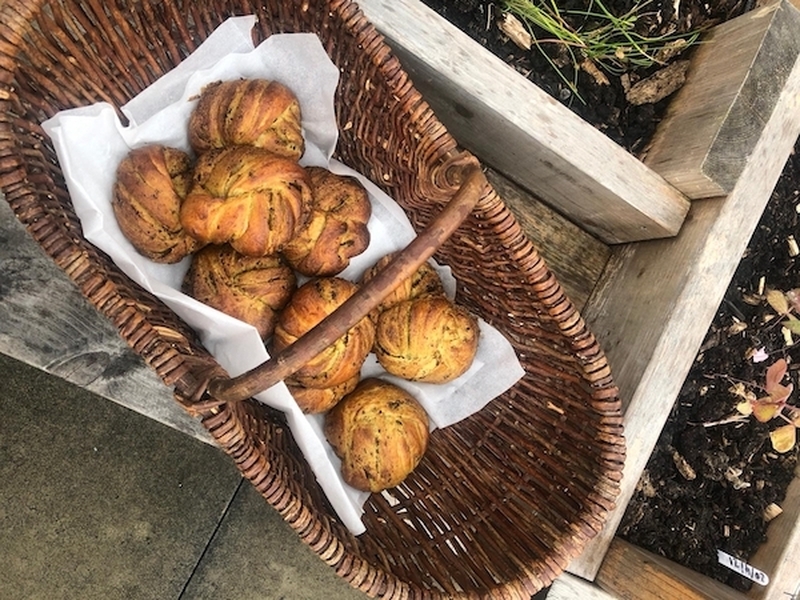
(319, 400)
(310, 304)
(247, 197)
(151, 184)
(424, 281)
(253, 112)
(336, 231)
(380, 432)
(427, 339)
(249, 288)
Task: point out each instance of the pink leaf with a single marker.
(775, 374)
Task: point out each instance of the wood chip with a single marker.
(734, 476)
(670, 50)
(684, 468)
(788, 341)
(516, 32)
(591, 68)
(772, 511)
(794, 249)
(659, 85)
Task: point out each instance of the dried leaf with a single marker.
(793, 296)
(794, 249)
(745, 408)
(792, 324)
(764, 410)
(783, 438)
(671, 50)
(778, 301)
(775, 374)
(739, 326)
(751, 299)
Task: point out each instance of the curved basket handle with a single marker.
(357, 306)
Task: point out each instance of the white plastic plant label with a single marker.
(742, 568)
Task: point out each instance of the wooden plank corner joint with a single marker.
(522, 132)
(733, 84)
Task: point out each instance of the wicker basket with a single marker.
(502, 500)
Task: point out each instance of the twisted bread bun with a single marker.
(380, 432)
(337, 228)
(427, 339)
(151, 183)
(249, 288)
(247, 197)
(319, 400)
(310, 304)
(423, 282)
(253, 112)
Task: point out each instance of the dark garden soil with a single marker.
(603, 105)
(714, 472)
(733, 473)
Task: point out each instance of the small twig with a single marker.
(736, 418)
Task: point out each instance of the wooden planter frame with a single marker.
(646, 248)
(675, 225)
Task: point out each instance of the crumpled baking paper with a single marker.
(91, 141)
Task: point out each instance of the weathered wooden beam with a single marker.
(732, 87)
(653, 306)
(524, 133)
(558, 240)
(46, 322)
(779, 556)
(630, 572)
(569, 587)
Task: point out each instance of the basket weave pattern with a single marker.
(503, 500)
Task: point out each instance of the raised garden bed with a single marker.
(654, 300)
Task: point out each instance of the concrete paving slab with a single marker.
(255, 555)
(96, 501)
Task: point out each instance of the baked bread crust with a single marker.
(151, 184)
(320, 400)
(425, 281)
(310, 304)
(427, 339)
(380, 432)
(251, 289)
(336, 230)
(252, 112)
(247, 197)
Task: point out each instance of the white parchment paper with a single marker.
(91, 141)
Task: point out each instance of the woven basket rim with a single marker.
(252, 435)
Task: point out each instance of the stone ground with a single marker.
(100, 502)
